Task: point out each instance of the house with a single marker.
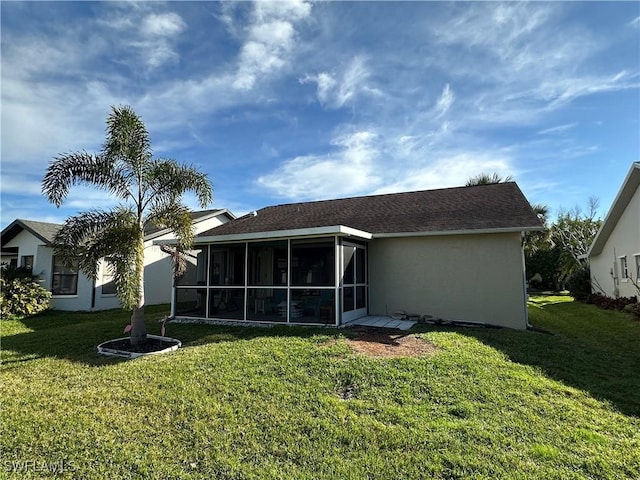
(452, 253)
(614, 255)
(28, 244)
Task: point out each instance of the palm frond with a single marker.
(86, 238)
(175, 217)
(82, 168)
(167, 181)
(127, 139)
(488, 179)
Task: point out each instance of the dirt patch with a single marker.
(385, 344)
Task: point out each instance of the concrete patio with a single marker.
(381, 322)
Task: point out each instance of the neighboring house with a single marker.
(452, 253)
(27, 243)
(614, 256)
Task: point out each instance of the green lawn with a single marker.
(265, 402)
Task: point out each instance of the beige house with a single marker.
(452, 253)
(614, 255)
(28, 244)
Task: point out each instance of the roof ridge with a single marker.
(388, 194)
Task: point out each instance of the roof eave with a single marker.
(19, 224)
(164, 231)
(441, 233)
(340, 230)
(624, 196)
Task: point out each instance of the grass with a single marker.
(266, 403)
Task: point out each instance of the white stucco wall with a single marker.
(477, 278)
(158, 272)
(28, 244)
(623, 241)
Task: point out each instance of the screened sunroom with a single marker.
(319, 280)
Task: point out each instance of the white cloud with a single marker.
(565, 90)
(352, 82)
(448, 171)
(149, 37)
(269, 42)
(20, 183)
(445, 101)
(558, 128)
(348, 170)
(531, 63)
(162, 25)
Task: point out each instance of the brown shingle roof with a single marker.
(43, 230)
(47, 231)
(483, 207)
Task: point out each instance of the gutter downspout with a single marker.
(524, 283)
(93, 294)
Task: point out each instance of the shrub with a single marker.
(579, 284)
(609, 303)
(633, 309)
(20, 295)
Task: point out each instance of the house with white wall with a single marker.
(27, 243)
(454, 253)
(614, 255)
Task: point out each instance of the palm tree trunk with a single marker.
(138, 327)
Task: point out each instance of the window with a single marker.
(313, 262)
(26, 262)
(64, 280)
(637, 257)
(624, 270)
(108, 285)
(196, 272)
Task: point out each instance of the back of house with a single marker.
(451, 253)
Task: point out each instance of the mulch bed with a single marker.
(150, 346)
(389, 343)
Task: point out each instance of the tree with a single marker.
(150, 192)
(536, 241)
(561, 250)
(573, 233)
(487, 179)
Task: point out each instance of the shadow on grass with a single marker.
(75, 336)
(593, 350)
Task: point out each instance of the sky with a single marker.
(282, 102)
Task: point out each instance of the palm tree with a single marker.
(536, 241)
(487, 179)
(150, 192)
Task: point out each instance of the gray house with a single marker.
(453, 253)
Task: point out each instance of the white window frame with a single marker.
(624, 268)
(64, 272)
(107, 277)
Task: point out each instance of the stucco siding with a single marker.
(27, 245)
(624, 241)
(477, 278)
(158, 270)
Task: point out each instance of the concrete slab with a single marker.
(381, 322)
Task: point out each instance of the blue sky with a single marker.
(291, 101)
